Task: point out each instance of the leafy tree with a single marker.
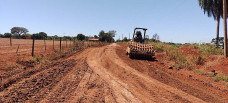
(1, 35)
(213, 8)
(125, 39)
(108, 37)
(49, 37)
(67, 38)
(118, 40)
(80, 37)
(101, 34)
(26, 36)
(7, 35)
(87, 38)
(220, 41)
(40, 35)
(56, 37)
(95, 36)
(18, 31)
(112, 33)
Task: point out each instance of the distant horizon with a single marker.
(177, 21)
(119, 38)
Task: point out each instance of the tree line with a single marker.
(22, 33)
(155, 38)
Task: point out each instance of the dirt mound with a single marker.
(220, 66)
(188, 51)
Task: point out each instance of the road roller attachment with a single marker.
(138, 49)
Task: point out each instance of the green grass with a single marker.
(178, 57)
(172, 54)
(199, 71)
(207, 49)
(37, 59)
(159, 46)
(221, 77)
(181, 60)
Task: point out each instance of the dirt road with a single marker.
(103, 74)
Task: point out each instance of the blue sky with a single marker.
(178, 21)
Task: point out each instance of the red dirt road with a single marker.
(103, 74)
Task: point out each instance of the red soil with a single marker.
(8, 55)
(189, 51)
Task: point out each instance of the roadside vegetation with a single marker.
(80, 42)
(58, 54)
(190, 56)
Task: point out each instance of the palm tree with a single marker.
(213, 8)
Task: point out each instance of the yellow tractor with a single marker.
(138, 47)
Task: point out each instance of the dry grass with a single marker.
(178, 57)
(199, 71)
(198, 60)
(8, 66)
(79, 45)
(207, 49)
(41, 56)
(185, 61)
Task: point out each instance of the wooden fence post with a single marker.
(33, 42)
(60, 43)
(10, 40)
(45, 44)
(53, 42)
(66, 43)
(18, 48)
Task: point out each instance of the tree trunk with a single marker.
(217, 33)
(225, 27)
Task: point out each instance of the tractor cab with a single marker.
(138, 37)
(139, 47)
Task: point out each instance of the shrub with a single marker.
(36, 59)
(221, 77)
(158, 46)
(178, 57)
(201, 72)
(209, 50)
(198, 60)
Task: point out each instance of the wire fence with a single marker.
(23, 49)
(33, 47)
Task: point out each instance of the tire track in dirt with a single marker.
(61, 92)
(7, 79)
(80, 85)
(68, 80)
(161, 73)
(92, 75)
(35, 88)
(123, 80)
